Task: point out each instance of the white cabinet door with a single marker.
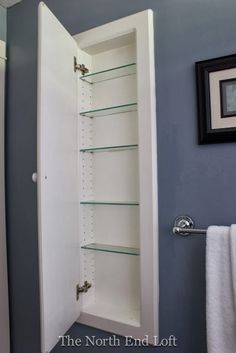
(57, 179)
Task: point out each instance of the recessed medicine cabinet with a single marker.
(97, 178)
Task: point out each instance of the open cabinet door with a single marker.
(57, 178)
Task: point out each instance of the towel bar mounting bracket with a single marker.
(183, 223)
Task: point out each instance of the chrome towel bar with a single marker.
(184, 225)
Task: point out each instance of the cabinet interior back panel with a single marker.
(120, 129)
(117, 287)
(118, 91)
(106, 95)
(114, 175)
(111, 175)
(117, 225)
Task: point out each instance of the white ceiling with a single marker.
(8, 3)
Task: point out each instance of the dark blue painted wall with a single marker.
(3, 23)
(193, 179)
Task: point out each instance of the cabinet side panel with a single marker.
(148, 175)
(57, 178)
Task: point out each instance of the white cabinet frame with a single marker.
(142, 24)
(58, 171)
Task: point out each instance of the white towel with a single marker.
(221, 289)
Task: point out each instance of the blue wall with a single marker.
(193, 179)
(3, 23)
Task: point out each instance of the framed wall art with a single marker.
(216, 96)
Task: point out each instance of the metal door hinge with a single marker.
(80, 67)
(82, 289)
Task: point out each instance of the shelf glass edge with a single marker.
(112, 249)
(109, 109)
(109, 148)
(94, 75)
(115, 203)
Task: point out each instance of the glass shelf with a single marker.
(115, 203)
(112, 248)
(105, 75)
(109, 148)
(110, 110)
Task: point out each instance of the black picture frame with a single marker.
(227, 111)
